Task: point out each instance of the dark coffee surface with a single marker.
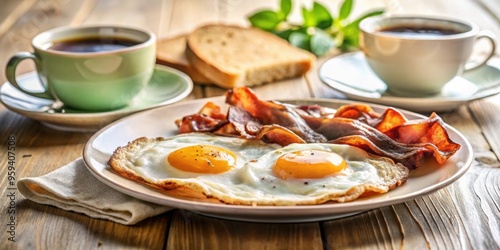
(92, 44)
(419, 31)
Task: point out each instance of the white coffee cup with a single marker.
(418, 55)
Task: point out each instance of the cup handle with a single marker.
(491, 37)
(10, 72)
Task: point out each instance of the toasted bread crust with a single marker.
(233, 56)
(210, 71)
(171, 52)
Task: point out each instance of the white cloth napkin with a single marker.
(73, 188)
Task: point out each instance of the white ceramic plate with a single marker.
(166, 86)
(160, 122)
(351, 75)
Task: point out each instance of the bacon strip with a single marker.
(269, 113)
(389, 134)
(359, 134)
(430, 132)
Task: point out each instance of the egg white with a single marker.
(252, 181)
(150, 159)
(144, 160)
(364, 172)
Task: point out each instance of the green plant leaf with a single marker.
(309, 18)
(285, 9)
(351, 36)
(349, 42)
(351, 31)
(321, 42)
(266, 20)
(345, 9)
(300, 39)
(285, 34)
(356, 22)
(319, 32)
(323, 17)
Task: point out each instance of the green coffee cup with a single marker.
(97, 68)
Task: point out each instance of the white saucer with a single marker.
(351, 75)
(167, 86)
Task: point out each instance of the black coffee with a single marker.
(419, 31)
(92, 44)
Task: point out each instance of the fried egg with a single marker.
(316, 173)
(250, 172)
(203, 162)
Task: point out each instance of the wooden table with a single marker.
(464, 215)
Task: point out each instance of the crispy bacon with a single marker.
(278, 134)
(356, 111)
(389, 134)
(198, 122)
(388, 120)
(316, 110)
(270, 113)
(243, 122)
(212, 110)
(429, 132)
(356, 133)
(208, 119)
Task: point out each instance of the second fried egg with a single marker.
(320, 172)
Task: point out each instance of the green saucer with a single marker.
(167, 86)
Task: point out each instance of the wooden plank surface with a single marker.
(143, 14)
(10, 13)
(193, 231)
(37, 17)
(43, 150)
(464, 215)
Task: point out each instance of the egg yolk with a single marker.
(206, 159)
(308, 164)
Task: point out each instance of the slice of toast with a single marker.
(170, 52)
(233, 56)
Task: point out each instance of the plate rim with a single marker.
(212, 209)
